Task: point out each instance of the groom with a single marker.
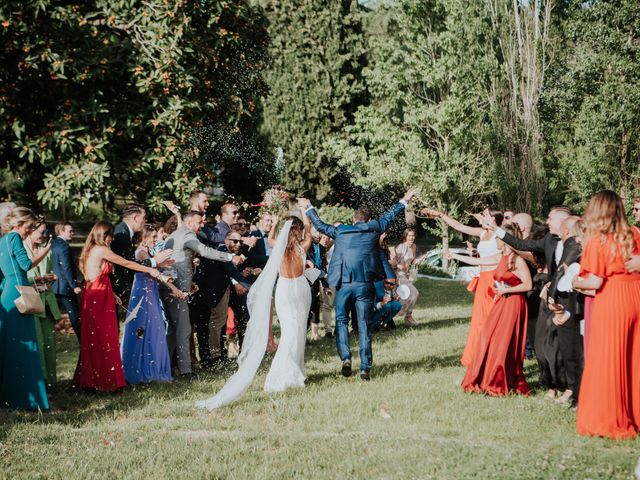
(355, 265)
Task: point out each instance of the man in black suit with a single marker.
(259, 253)
(552, 374)
(134, 218)
(66, 287)
(208, 310)
(317, 256)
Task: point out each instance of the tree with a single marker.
(426, 125)
(102, 98)
(315, 86)
(591, 110)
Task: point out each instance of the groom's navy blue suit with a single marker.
(355, 264)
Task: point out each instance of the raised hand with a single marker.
(409, 195)
(163, 258)
(430, 212)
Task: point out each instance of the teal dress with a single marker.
(21, 381)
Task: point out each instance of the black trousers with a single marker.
(314, 311)
(552, 374)
(238, 304)
(570, 345)
(199, 314)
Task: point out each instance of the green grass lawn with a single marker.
(412, 420)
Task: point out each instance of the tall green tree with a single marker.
(315, 85)
(106, 99)
(427, 124)
(591, 109)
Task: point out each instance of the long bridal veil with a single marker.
(257, 334)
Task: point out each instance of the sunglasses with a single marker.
(235, 212)
(390, 283)
(242, 224)
(235, 240)
(635, 209)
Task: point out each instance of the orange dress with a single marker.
(482, 303)
(609, 402)
(496, 365)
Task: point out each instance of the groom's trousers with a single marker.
(363, 293)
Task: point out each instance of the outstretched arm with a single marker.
(207, 252)
(324, 228)
(108, 255)
(453, 223)
(474, 260)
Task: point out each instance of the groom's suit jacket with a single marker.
(357, 256)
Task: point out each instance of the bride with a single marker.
(293, 300)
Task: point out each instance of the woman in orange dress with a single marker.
(498, 354)
(609, 401)
(487, 247)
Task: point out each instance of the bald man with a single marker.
(524, 222)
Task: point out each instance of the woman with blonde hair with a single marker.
(22, 384)
(41, 277)
(99, 365)
(609, 401)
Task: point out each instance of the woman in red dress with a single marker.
(100, 365)
(496, 364)
(609, 401)
(487, 248)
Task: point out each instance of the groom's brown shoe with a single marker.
(346, 368)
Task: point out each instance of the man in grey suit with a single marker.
(184, 243)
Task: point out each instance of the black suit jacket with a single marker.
(571, 301)
(213, 278)
(122, 278)
(258, 253)
(546, 245)
(63, 266)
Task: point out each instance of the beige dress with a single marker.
(404, 257)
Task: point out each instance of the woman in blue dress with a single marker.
(145, 355)
(22, 383)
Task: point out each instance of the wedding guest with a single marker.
(568, 308)
(552, 374)
(496, 364)
(210, 303)
(99, 365)
(609, 401)
(22, 384)
(487, 248)
(134, 217)
(525, 225)
(317, 258)
(5, 209)
(66, 286)
(184, 243)
(387, 305)
(214, 236)
(145, 355)
(41, 277)
(406, 259)
(260, 252)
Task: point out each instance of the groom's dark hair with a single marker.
(362, 214)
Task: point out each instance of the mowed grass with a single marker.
(412, 420)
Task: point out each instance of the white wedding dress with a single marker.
(293, 301)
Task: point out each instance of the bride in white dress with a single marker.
(293, 301)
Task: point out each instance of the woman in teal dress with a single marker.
(41, 277)
(21, 381)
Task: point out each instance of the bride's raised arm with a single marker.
(306, 242)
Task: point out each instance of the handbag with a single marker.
(413, 273)
(29, 301)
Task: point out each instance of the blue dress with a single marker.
(145, 354)
(21, 381)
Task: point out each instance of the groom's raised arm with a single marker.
(324, 228)
(385, 220)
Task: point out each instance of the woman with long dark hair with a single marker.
(99, 365)
(609, 401)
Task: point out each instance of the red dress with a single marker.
(100, 365)
(482, 303)
(609, 401)
(496, 365)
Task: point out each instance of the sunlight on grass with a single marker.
(412, 420)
